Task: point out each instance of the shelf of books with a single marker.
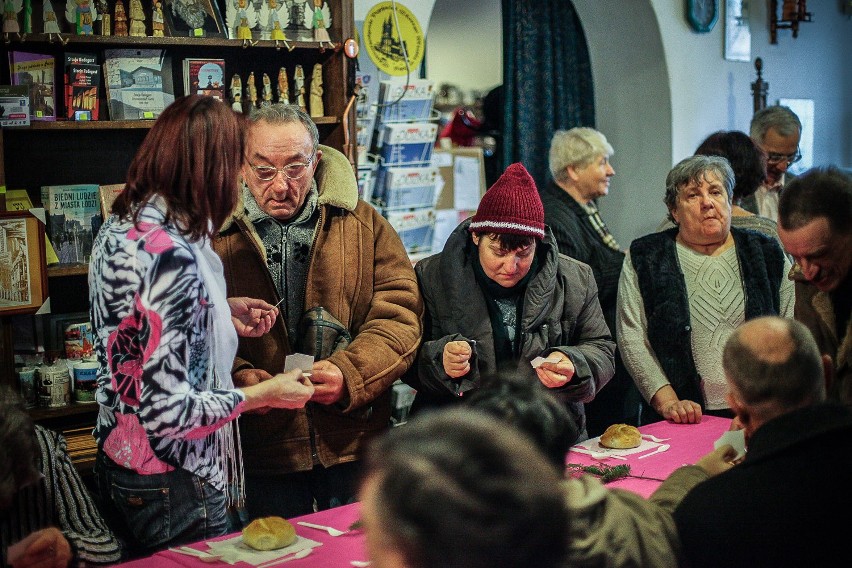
(76, 106)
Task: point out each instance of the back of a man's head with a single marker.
(532, 409)
(456, 488)
(819, 192)
(773, 366)
(782, 119)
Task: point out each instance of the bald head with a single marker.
(774, 360)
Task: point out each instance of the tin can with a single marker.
(85, 380)
(54, 385)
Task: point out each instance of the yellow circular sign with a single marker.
(389, 44)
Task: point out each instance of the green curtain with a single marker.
(547, 79)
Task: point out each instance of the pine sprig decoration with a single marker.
(606, 473)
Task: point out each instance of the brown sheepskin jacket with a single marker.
(361, 274)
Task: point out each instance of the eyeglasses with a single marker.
(775, 159)
(291, 171)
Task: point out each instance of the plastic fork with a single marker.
(200, 554)
(330, 530)
(655, 439)
(597, 455)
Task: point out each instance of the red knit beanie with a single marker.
(511, 205)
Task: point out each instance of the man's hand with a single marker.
(47, 548)
(252, 317)
(555, 371)
(327, 379)
(718, 461)
(250, 377)
(456, 358)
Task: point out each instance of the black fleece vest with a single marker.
(663, 289)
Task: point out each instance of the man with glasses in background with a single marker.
(301, 239)
(777, 131)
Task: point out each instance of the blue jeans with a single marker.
(153, 512)
(294, 494)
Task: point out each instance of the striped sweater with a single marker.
(61, 500)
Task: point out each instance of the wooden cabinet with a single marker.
(64, 152)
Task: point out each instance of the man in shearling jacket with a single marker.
(348, 296)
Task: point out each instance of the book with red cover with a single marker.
(82, 79)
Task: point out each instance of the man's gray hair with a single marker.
(280, 113)
(694, 169)
(781, 118)
(790, 384)
(576, 147)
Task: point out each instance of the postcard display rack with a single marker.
(406, 184)
(81, 150)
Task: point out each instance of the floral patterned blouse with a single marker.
(150, 315)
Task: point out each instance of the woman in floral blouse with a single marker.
(166, 335)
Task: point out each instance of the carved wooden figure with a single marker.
(120, 19)
(283, 87)
(157, 23)
(11, 9)
(137, 19)
(51, 26)
(252, 90)
(317, 108)
(319, 19)
(104, 18)
(299, 87)
(236, 93)
(82, 14)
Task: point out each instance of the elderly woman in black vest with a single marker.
(683, 291)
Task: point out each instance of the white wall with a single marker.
(660, 88)
(464, 44)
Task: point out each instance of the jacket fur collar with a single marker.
(335, 180)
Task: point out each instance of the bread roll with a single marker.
(269, 533)
(621, 436)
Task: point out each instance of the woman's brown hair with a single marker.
(191, 158)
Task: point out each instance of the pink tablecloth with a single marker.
(688, 443)
(335, 552)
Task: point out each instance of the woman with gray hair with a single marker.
(683, 291)
(580, 170)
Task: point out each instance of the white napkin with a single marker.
(233, 550)
(594, 445)
(299, 361)
(736, 438)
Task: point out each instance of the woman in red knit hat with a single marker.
(499, 298)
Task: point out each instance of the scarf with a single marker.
(505, 344)
(222, 351)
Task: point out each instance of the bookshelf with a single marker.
(63, 152)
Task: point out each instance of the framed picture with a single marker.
(737, 31)
(23, 265)
(194, 18)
